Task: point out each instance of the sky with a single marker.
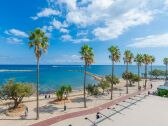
(137, 25)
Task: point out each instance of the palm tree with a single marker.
(39, 41)
(146, 61)
(115, 57)
(128, 56)
(139, 60)
(165, 61)
(152, 60)
(88, 56)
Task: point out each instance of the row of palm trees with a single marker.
(39, 41)
(88, 56)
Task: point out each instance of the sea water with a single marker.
(53, 76)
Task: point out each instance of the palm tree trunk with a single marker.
(37, 91)
(84, 86)
(112, 74)
(138, 75)
(127, 79)
(145, 74)
(151, 72)
(166, 71)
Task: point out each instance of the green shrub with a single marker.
(115, 79)
(104, 85)
(156, 73)
(63, 89)
(16, 91)
(162, 93)
(132, 78)
(92, 89)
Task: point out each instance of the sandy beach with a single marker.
(50, 110)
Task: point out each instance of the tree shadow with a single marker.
(21, 117)
(74, 107)
(2, 110)
(117, 89)
(80, 99)
(47, 109)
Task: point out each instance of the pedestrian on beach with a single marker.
(151, 86)
(49, 96)
(45, 96)
(26, 111)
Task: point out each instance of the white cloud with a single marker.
(150, 41)
(63, 30)
(116, 27)
(80, 40)
(68, 37)
(105, 19)
(56, 24)
(46, 12)
(16, 32)
(12, 40)
(82, 33)
(71, 4)
(108, 19)
(166, 3)
(47, 28)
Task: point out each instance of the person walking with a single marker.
(26, 111)
(151, 86)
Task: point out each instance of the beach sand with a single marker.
(50, 110)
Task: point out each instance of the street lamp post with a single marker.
(65, 96)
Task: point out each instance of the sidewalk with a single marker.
(84, 112)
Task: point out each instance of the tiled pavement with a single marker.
(56, 119)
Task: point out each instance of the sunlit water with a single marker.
(52, 76)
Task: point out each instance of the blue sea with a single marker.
(52, 76)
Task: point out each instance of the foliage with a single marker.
(92, 89)
(114, 53)
(156, 73)
(39, 41)
(87, 55)
(146, 59)
(104, 85)
(62, 90)
(115, 79)
(132, 78)
(165, 61)
(139, 59)
(59, 95)
(128, 56)
(152, 59)
(162, 93)
(16, 91)
(66, 88)
(135, 78)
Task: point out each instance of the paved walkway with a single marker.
(56, 119)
